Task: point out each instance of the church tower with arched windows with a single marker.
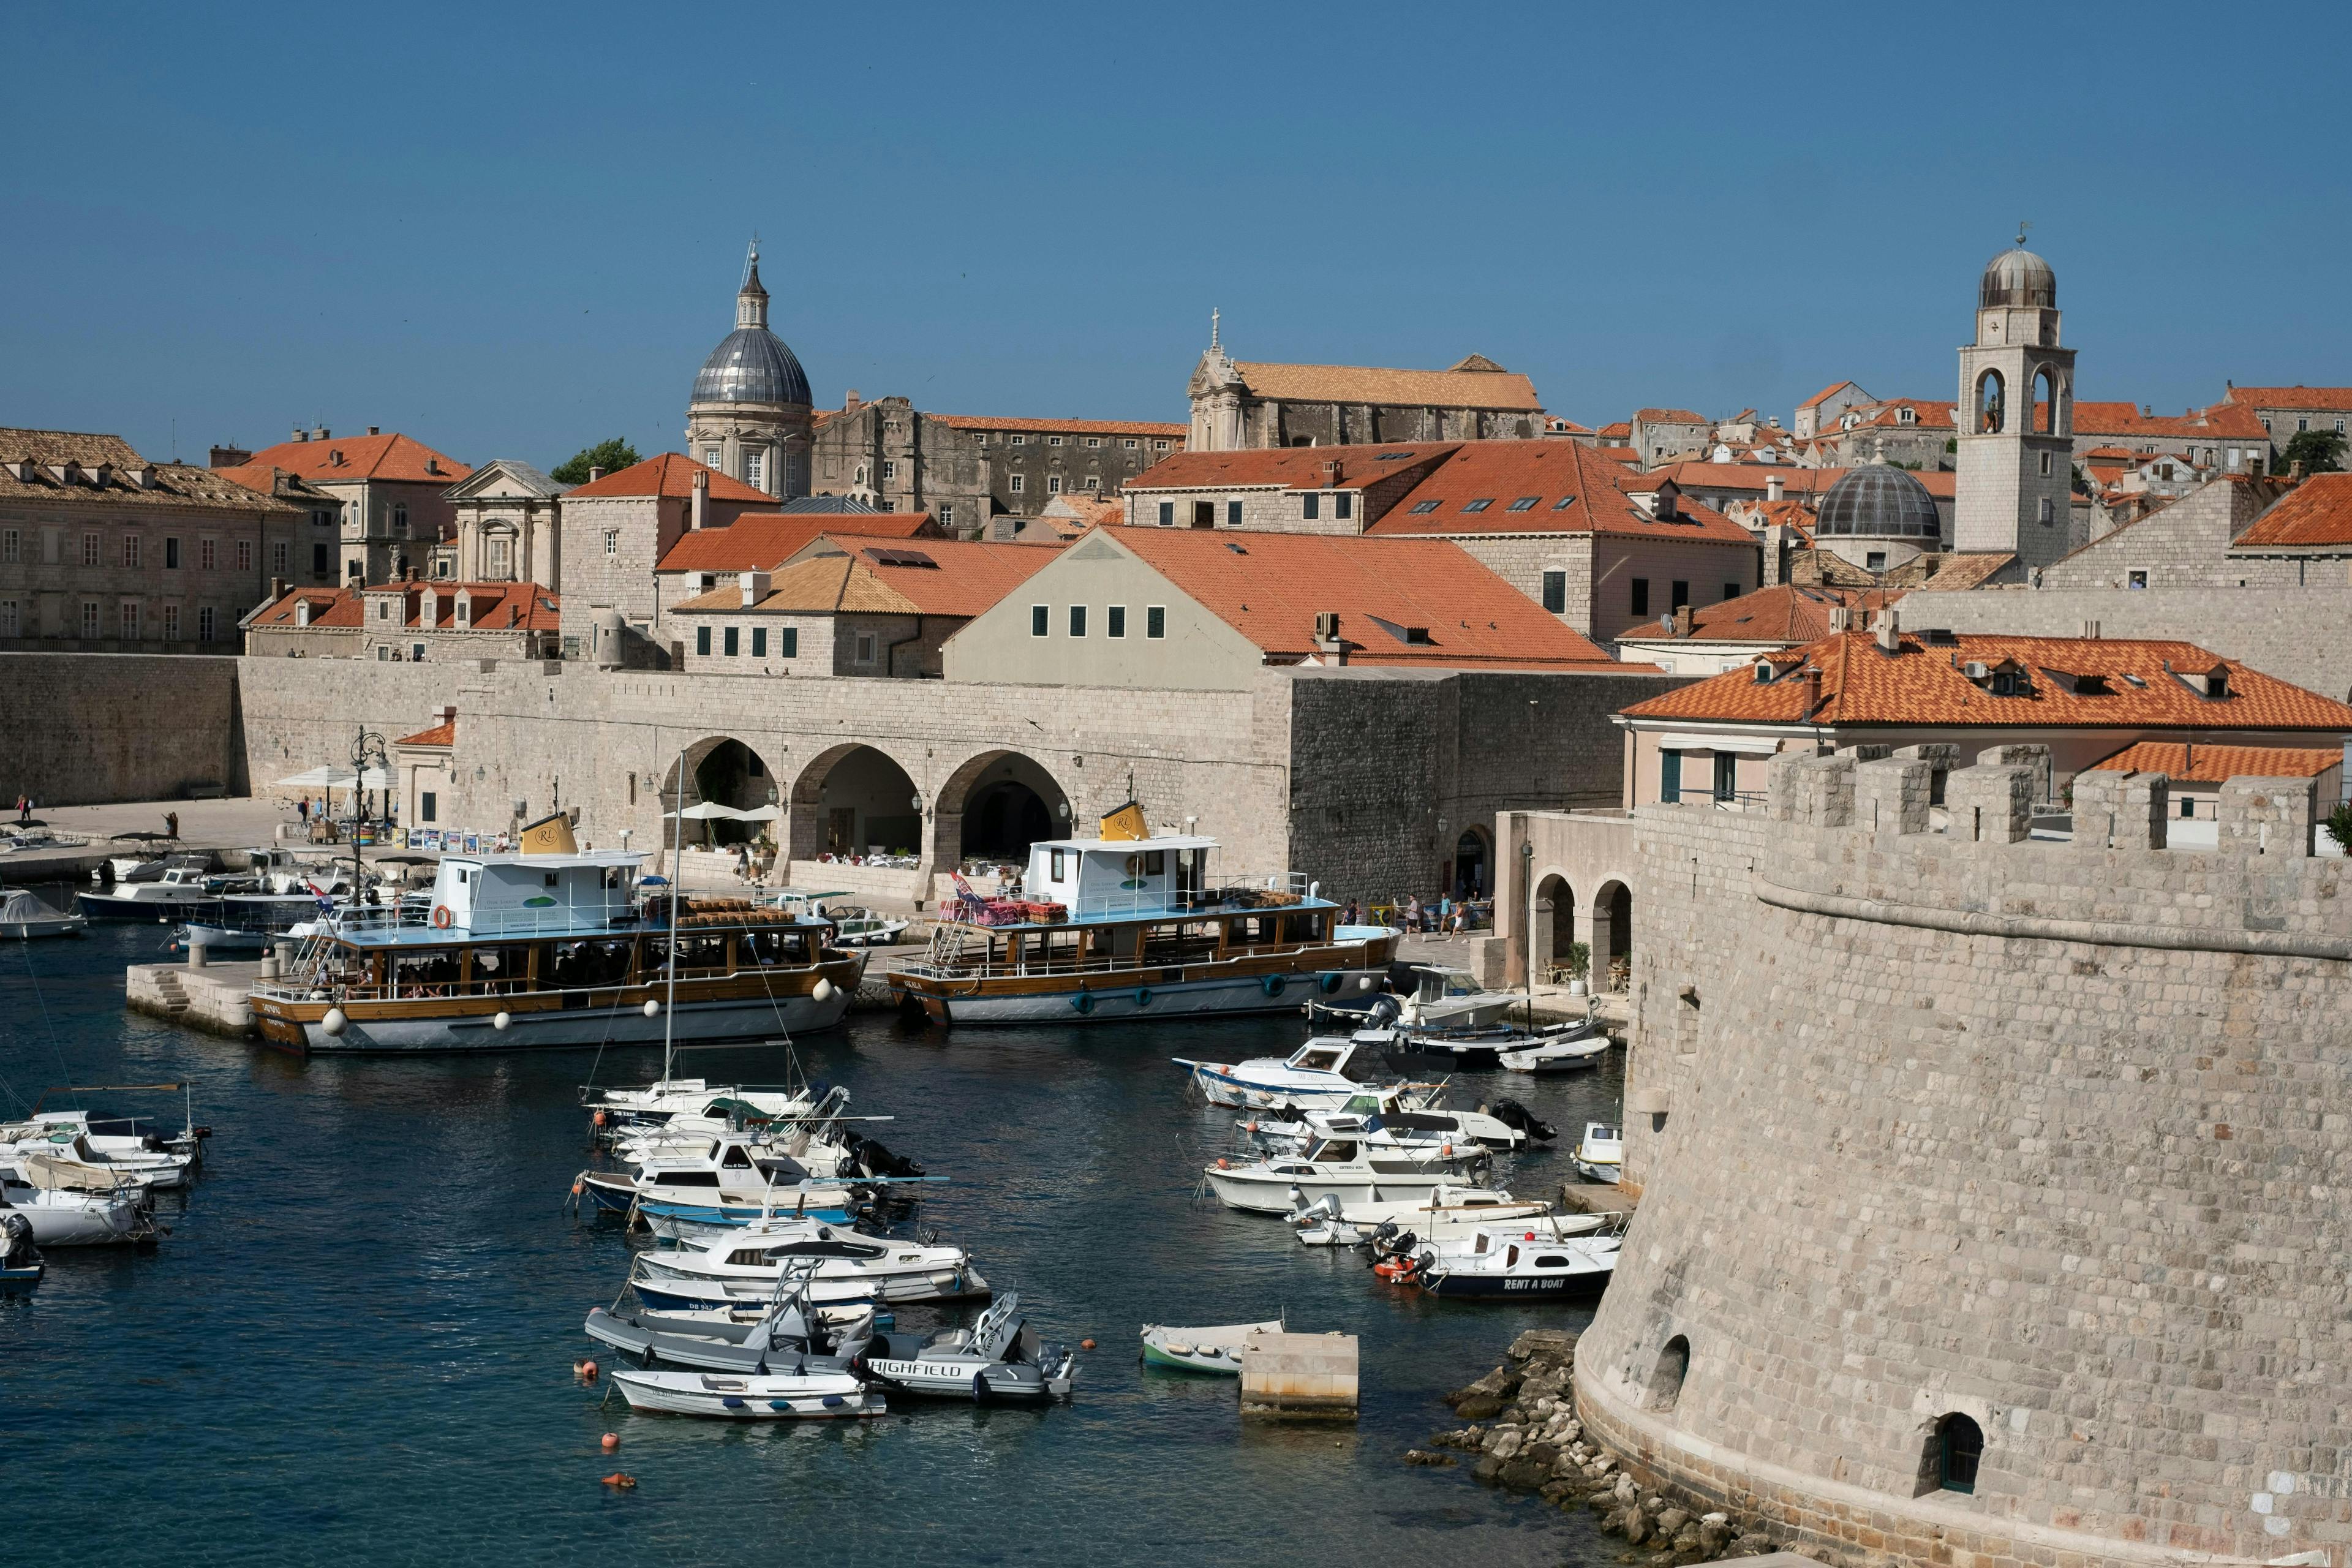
(749, 416)
(2015, 417)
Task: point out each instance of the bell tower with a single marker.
(2015, 417)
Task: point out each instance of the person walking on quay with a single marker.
(171, 824)
(23, 808)
(303, 806)
(1412, 912)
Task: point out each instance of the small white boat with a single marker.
(1514, 1264)
(789, 1396)
(1600, 1157)
(996, 1361)
(1452, 998)
(749, 1264)
(20, 1260)
(1216, 1349)
(1564, 1053)
(1324, 1074)
(1386, 1118)
(21, 915)
(864, 927)
(1345, 1168)
(69, 1148)
(1445, 1211)
(65, 1216)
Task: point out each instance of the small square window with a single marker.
(890, 469)
(1093, 483)
(1092, 441)
(611, 543)
(1129, 443)
(866, 648)
(1563, 503)
(1040, 621)
(1017, 486)
(1233, 513)
(1525, 503)
(1077, 620)
(1159, 446)
(1422, 507)
(2135, 580)
(1052, 441)
(1020, 440)
(1155, 620)
(1053, 484)
(1481, 504)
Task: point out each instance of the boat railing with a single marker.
(1231, 896)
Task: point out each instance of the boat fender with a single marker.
(502, 1020)
(1274, 983)
(1144, 995)
(732, 1403)
(980, 1395)
(611, 1440)
(599, 1119)
(442, 917)
(1332, 983)
(1085, 1344)
(835, 1401)
(1084, 1001)
(822, 991)
(622, 1478)
(1224, 1164)
(335, 1021)
(652, 1007)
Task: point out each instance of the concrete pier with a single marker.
(1299, 1374)
(211, 998)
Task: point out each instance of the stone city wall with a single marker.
(1956, 1123)
(84, 728)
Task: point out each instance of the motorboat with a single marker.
(997, 1361)
(1134, 925)
(20, 1260)
(23, 915)
(69, 1147)
(787, 1333)
(178, 893)
(1514, 1264)
(1324, 1074)
(1448, 997)
(773, 1396)
(1386, 1118)
(1601, 1155)
(1216, 1349)
(731, 1198)
(1567, 1052)
(751, 1264)
(864, 927)
(1444, 1211)
(62, 1214)
(1352, 1171)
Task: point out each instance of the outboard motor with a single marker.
(1384, 1011)
(1511, 1113)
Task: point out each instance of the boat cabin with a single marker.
(536, 893)
(1359, 1064)
(1439, 982)
(1118, 877)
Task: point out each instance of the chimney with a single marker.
(302, 613)
(1330, 472)
(1841, 619)
(1328, 640)
(2091, 630)
(755, 587)
(320, 434)
(1813, 689)
(596, 474)
(1776, 488)
(701, 500)
(432, 465)
(227, 458)
(1885, 630)
(334, 457)
(2294, 471)
(373, 431)
(849, 403)
(301, 434)
(1684, 622)
(277, 589)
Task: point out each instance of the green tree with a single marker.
(2338, 824)
(611, 455)
(2319, 452)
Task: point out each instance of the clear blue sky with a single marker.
(510, 232)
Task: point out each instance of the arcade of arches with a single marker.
(724, 772)
(1604, 924)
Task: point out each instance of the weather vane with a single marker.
(2021, 226)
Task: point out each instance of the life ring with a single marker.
(1144, 995)
(441, 917)
(1274, 983)
(1084, 1001)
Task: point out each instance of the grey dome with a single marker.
(1877, 501)
(752, 364)
(2018, 277)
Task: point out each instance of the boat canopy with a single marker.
(18, 904)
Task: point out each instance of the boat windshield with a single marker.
(1314, 1058)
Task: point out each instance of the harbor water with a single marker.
(355, 1346)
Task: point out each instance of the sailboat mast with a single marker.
(677, 870)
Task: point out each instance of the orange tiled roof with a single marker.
(667, 474)
(2338, 398)
(269, 480)
(761, 540)
(1271, 586)
(1621, 429)
(1826, 392)
(1670, 416)
(1923, 684)
(2318, 511)
(339, 458)
(2222, 421)
(1368, 384)
(497, 606)
(1524, 485)
(1925, 413)
(1288, 467)
(1784, 613)
(1068, 427)
(441, 734)
(1758, 477)
(889, 576)
(2192, 763)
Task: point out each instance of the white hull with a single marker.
(902, 1288)
(753, 1018)
(1271, 1195)
(826, 1397)
(100, 1222)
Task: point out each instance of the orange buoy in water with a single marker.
(588, 1370)
(599, 1119)
(620, 1478)
(1085, 1344)
(611, 1441)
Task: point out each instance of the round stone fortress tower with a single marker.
(1996, 1195)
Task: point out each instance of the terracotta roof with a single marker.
(176, 484)
(1289, 467)
(268, 479)
(2222, 421)
(1669, 416)
(1959, 572)
(887, 575)
(761, 540)
(1826, 392)
(2191, 763)
(497, 606)
(1925, 413)
(1625, 455)
(1271, 586)
(1567, 427)
(335, 458)
(441, 734)
(2336, 398)
(2316, 512)
(1758, 477)
(2112, 455)
(1068, 427)
(1923, 684)
(1622, 427)
(1366, 383)
(667, 474)
(1524, 485)
(1783, 613)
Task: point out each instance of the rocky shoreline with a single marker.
(1520, 1421)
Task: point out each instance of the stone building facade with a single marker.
(103, 551)
(509, 526)
(965, 469)
(393, 493)
(2015, 462)
(409, 622)
(1239, 403)
(2286, 412)
(2183, 543)
(748, 416)
(616, 530)
(1960, 1143)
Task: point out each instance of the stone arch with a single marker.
(1668, 1375)
(1990, 404)
(1472, 863)
(1554, 930)
(995, 805)
(851, 797)
(1955, 1451)
(2049, 398)
(724, 771)
(1612, 935)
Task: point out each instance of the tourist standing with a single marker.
(171, 824)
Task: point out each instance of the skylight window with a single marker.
(1563, 503)
(1419, 507)
(2136, 680)
(1390, 457)
(1525, 503)
(1235, 548)
(1481, 504)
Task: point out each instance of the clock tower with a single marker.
(2015, 417)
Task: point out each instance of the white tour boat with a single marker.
(1600, 1157)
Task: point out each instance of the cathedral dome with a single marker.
(2018, 277)
(752, 364)
(1878, 501)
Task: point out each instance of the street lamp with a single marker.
(1527, 941)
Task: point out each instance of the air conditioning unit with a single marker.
(1975, 669)
(1327, 626)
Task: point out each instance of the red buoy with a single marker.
(611, 1441)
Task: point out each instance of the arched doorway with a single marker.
(1612, 937)
(997, 805)
(721, 771)
(1473, 877)
(855, 800)
(1553, 935)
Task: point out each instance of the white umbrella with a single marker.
(337, 778)
(761, 814)
(709, 811)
